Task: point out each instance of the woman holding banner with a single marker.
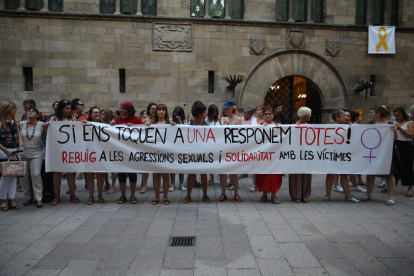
(380, 116)
(178, 117)
(63, 112)
(405, 132)
(107, 115)
(161, 118)
(94, 115)
(300, 184)
(269, 183)
(127, 117)
(230, 109)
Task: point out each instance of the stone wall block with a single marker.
(103, 47)
(54, 46)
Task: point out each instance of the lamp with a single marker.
(364, 85)
(233, 82)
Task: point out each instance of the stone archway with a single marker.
(277, 65)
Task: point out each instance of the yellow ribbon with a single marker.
(382, 38)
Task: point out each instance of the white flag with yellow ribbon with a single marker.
(381, 40)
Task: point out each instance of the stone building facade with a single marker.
(175, 58)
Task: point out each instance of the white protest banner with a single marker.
(315, 149)
(381, 40)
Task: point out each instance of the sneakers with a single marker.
(206, 199)
(338, 189)
(68, 191)
(187, 199)
(172, 188)
(359, 189)
(382, 184)
(253, 188)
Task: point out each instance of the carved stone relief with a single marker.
(332, 48)
(172, 37)
(258, 45)
(296, 38)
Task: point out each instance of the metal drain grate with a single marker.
(182, 241)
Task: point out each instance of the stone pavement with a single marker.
(248, 238)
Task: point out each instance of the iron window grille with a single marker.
(107, 6)
(149, 7)
(56, 5)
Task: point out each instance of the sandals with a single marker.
(155, 202)
(296, 201)
(197, 185)
(121, 200)
(161, 190)
(74, 199)
(133, 200)
(143, 190)
(55, 201)
(80, 176)
(304, 200)
(391, 202)
(409, 193)
(13, 205)
(223, 197)
(211, 181)
(4, 205)
(90, 201)
(111, 190)
(20, 189)
(326, 199)
(39, 204)
(365, 198)
(274, 200)
(384, 190)
(101, 199)
(27, 202)
(238, 198)
(263, 199)
(351, 199)
(166, 202)
(182, 188)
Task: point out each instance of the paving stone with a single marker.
(209, 248)
(283, 233)
(60, 256)
(43, 272)
(404, 248)
(339, 267)
(83, 233)
(17, 267)
(298, 255)
(321, 248)
(333, 233)
(63, 230)
(145, 266)
(109, 272)
(376, 247)
(177, 272)
(179, 257)
(210, 267)
(10, 250)
(56, 218)
(243, 272)
(271, 267)
(265, 247)
(99, 217)
(160, 228)
(207, 213)
(40, 248)
(249, 213)
(309, 271)
(80, 267)
(272, 217)
(255, 227)
(400, 266)
(229, 218)
(304, 228)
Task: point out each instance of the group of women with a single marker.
(29, 134)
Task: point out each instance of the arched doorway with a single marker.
(294, 92)
(311, 66)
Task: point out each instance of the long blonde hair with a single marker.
(4, 108)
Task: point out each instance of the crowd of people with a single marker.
(30, 135)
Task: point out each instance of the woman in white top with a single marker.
(32, 132)
(213, 120)
(405, 132)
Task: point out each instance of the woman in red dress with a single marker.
(269, 183)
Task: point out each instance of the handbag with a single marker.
(13, 168)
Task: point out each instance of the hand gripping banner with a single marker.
(313, 149)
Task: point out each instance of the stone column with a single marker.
(45, 6)
(368, 12)
(207, 9)
(22, 5)
(117, 7)
(290, 10)
(227, 9)
(309, 12)
(138, 8)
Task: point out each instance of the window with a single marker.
(149, 7)
(377, 12)
(360, 12)
(34, 5)
(282, 9)
(299, 10)
(107, 6)
(211, 82)
(217, 9)
(393, 10)
(128, 6)
(28, 78)
(317, 11)
(122, 88)
(236, 9)
(55, 5)
(12, 4)
(197, 8)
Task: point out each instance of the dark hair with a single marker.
(62, 104)
(74, 103)
(210, 113)
(35, 110)
(53, 104)
(275, 106)
(198, 109)
(403, 113)
(30, 101)
(354, 116)
(180, 113)
(90, 112)
(166, 116)
(382, 111)
(337, 113)
(149, 108)
(108, 112)
(131, 111)
(388, 106)
(269, 109)
(142, 112)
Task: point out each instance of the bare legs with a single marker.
(91, 183)
(157, 184)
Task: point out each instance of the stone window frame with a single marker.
(226, 10)
(286, 13)
(377, 12)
